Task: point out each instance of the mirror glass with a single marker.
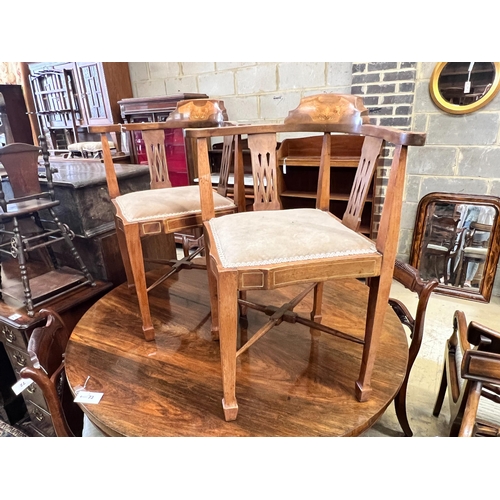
(456, 241)
(463, 87)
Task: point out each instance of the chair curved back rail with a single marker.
(254, 250)
(46, 349)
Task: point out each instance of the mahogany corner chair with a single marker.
(163, 209)
(269, 248)
(471, 377)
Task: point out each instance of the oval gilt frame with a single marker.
(457, 109)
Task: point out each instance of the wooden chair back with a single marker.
(188, 113)
(46, 349)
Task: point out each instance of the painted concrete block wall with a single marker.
(462, 153)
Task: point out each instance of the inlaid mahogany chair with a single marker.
(163, 209)
(46, 348)
(268, 248)
(408, 276)
(29, 223)
(471, 377)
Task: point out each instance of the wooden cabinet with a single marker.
(298, 160)
(157, 109)
(69, 97)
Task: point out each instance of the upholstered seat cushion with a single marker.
(475, 251)
(275, 236)
(152, 204)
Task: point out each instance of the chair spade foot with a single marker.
(362, 392)
(230, 412)
(149, 333)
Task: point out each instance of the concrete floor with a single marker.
(426, 373)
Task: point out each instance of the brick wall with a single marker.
(388, 89)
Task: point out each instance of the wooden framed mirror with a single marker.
(464, 87)
(457, 241)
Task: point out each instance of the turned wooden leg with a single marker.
(122, 245)
(378, 300)
(317, 303)
(228, 323)
(136, 257)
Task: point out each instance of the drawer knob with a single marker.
(20, 359)
(38, 414)
(9, 335)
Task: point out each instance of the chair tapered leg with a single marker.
(134, 249)
(228, 323)
(122, 245)
(378, 299)
(214, 306)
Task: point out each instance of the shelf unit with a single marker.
(299, 160)
(69, 97)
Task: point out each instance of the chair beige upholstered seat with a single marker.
(166, 203)
(163, 209)
(298, 240)
(269, 248)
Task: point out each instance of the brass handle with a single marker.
(21, 361)
(38, 414)
(9, 335)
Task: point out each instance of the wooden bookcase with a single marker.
(69, 97)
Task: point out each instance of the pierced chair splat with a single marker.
(163, 209)
(269, 248)
(29, 224)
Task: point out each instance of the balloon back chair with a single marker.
(268, 248)
(163, 209)
(46, 348)
(29, 224)
(471, 377)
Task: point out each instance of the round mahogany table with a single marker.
(289, 383)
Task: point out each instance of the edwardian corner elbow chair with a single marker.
(471, 377)
(29, 224)
(270, 248)
(163, 209)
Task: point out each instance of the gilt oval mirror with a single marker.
(464, 87)
(457, 241)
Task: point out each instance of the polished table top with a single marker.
(289, 383)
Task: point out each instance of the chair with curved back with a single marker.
(163, 209)
(441, 244)
(470, 376)
(268, 248)
(46, 348)
(29, 224)
(408, 276)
